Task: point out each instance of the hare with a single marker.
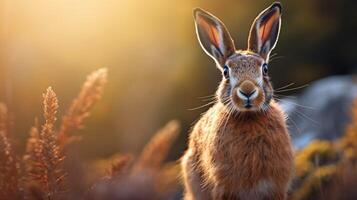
(240, 148)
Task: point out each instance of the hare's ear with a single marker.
(213, 36)
(265, 30)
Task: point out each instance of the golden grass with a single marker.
(147, 174)
(44, 176)
(79, 110)
(321, 167)
(47, 172)
(157, 149)
(120, 166)
(9, 168)
(324, 169)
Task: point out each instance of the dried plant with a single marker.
(324, 169)
(328, 169)
(32, 149)
(43, 161)
(157, 149)
(32, 167)
(148, 174)
(9, 168)
(43, 148)
(3, 118)
(120, 166)
(45, 177)
(79, 110)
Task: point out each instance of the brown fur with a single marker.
(229, 160)
(235, 151)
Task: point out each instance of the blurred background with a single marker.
(157, 70)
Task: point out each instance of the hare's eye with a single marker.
(226, 71)
(265, 68)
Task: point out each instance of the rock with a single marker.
(322, 111)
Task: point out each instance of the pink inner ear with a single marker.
(265, 28)
(211, 31)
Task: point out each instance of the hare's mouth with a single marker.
(245, 106)
(247, 103)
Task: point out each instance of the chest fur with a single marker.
(241, 154)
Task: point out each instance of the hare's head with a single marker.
(245, 83)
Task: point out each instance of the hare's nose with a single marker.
(247, 90)
(247, 95)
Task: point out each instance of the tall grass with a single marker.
(79, 110)
(9, 167)
(147, 174)
(324, 169)
(46, 162)
(41, 173)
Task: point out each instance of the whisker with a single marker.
(225, 101)
(285, 96)
(222, 118)
(225, 114)
(199, 107)
(306, 117)
(292, 121)
(203, 97)
(302, 106)
(209, 99)
(288, 85)
(274, 54)
(229, 115)
(275, 58)
(291, 89)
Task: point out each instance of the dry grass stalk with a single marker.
(327, 169)
(3, 118)
(120, 166)
(158, 147)
(48, 172)
(32, 141)
(79, 110)
(9, 168)
(33, 150)
(148, 174)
